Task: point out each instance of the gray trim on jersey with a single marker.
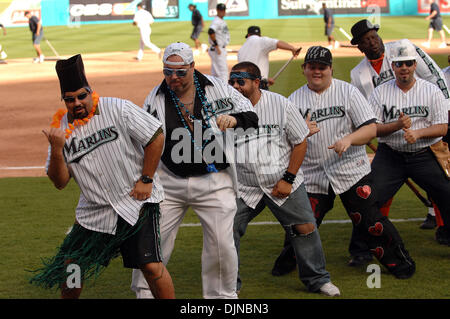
(339, 110)
(105, 158)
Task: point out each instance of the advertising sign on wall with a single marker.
(91, 10)
(234, 8)
(12, 12)
(165, 9)
(424, 7)
(313, 7)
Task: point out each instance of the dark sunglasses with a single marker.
(181, 73)
(241, 82)
(80, 97)
(408, 63)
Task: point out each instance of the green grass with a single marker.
(35, 217)
(125, 37)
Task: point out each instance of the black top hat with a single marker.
(360, 28)
(253, 30)
(221, 6)
(318, 54)
(71, 74)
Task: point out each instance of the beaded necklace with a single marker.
(206, 107)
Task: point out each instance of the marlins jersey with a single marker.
(143, 19)
(423, 103)
(268, 150)
(256, 50)
(105, 158)
(338, 111)
(222, 33)
(447, 76)
(365, 78)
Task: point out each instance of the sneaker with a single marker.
(442, 236)
(443, 45)
(41, 58)
(330, 290)
(196, 52)
(3, 55)
(357, 261)
(426, 44)
(429, 222)
(36, 60)
(330, 47)
(138, 58)
(204, 48)
(406, 267)
(285, 263)
(336, 44)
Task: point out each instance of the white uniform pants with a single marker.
(212, 197)
(145, 42)
(219, 65)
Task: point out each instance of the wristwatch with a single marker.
(146, 179)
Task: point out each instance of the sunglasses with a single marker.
(408, 63)
(181, 73)
(80, 97)
(241, 82)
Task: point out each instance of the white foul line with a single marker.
(18, 168)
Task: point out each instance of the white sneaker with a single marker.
(330, 290)
(330, 47)
(196, 52)
(3, 55)
(41, 58)
(336, 44)
(426, 44)
(443, 45)
(204, 48)
(36, 60)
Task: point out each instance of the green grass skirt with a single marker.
(90, 250)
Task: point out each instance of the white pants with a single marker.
(145, 42)
(212, 198)
(219, 65)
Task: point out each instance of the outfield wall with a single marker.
(66, 12)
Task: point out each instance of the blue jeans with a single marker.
(308, 247)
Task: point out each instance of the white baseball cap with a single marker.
(180, 49)
(402, 50)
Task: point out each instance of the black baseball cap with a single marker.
(360, 28)
(221, 6)
(253, 30)
(318, 54)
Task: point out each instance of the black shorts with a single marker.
(436, 24)
(37, 38)
(196, 32)
(329, 30)
(144, 246)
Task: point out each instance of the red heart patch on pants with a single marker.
(363, 191)
(378, 252)
(356, 218)
(377, 229)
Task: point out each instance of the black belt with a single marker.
(423, 150)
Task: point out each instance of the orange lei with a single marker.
(57, 117)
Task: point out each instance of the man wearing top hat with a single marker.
(111, 148)
(256, 49)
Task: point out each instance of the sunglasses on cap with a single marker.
(181, 73)
(80, 97)
(408, 63)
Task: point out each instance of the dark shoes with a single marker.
(442, 236)
(285, 263)
(357, 261)
(429, 222)
(405, 266)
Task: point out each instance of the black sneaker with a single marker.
(429, 222)
(357, 261)
(442, 236)
(285, 263)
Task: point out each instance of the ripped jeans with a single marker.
(307, 246)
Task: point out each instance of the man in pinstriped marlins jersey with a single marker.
(411, 116)
(336, 161)
(191, 106)
(272, 177)
(111, 148)
(219, 37)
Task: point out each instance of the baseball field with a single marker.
(35, 216)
